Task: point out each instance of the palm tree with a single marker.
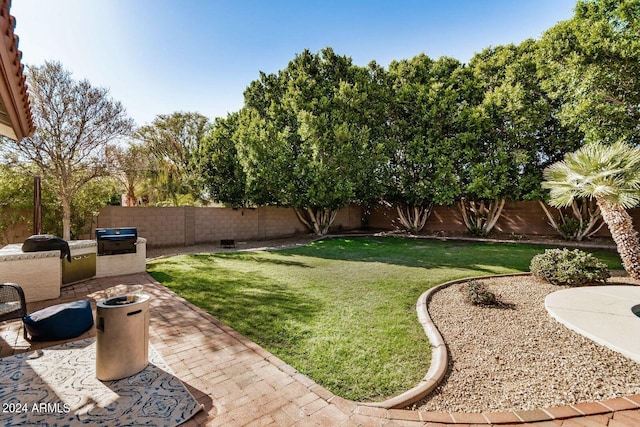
(610, 174)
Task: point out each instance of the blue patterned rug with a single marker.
(57, 386)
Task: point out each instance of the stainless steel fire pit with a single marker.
(122, 346)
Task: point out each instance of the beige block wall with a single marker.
(17, 233)
(164, 225)
(177, 226)
(280, 222)
(213, 224)
(526, 218)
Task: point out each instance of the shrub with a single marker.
(565, 267)
(569, 228)
(476, 231)
(477, 294)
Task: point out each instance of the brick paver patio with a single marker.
(239, 383)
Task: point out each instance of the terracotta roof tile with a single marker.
(13, 88)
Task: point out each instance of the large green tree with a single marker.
(173, 143)
(489, 159)
(85, 206)
(610, 174)
(512, 136)
(311, 137)
(425, 122)
(592, 62)
(223, 175)
(74, 124)
(590, 66)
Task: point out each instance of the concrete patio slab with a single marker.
(601, 313)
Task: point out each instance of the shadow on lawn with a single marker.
(482, 256)
(244, 256)
(257, 306)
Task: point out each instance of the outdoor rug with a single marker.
(57, 386)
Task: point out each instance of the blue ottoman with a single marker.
(60, 322)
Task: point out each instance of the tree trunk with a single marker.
(318, 220)
(480, 218)
(413, 218)
(131, 199)
(66, 218)
(587, 217)
(623, 233)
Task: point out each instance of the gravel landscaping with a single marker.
(503, 359)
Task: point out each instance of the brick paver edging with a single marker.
(579, 410)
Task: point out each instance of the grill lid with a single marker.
(124, 233)
(47, 242)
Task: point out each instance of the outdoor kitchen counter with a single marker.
(14, 251)
(117, 265)
(40, 273)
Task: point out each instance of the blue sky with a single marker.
(161, 56)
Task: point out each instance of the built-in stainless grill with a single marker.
(114, 241)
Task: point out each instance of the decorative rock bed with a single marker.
(520, 359)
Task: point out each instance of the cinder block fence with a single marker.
(187, 225)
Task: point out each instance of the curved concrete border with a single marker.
(439, 357)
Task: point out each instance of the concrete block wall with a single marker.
(523, 218)
(349, 218)
(443, 218)
(17, 233)
(178, 226)
(213, 224)
(165, 225)
(281, 222)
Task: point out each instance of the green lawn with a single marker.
(342, 311)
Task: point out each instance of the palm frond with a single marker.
(596, 170)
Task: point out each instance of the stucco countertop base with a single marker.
(40, 273)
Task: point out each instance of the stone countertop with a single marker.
(14, 252)
(79, 244)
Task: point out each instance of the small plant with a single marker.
(476, 231)
(570, 228)
(516, 236)
(476, 293)
(565, 267)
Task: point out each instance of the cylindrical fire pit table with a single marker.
(122, 346)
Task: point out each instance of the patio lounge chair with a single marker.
(12, 304)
